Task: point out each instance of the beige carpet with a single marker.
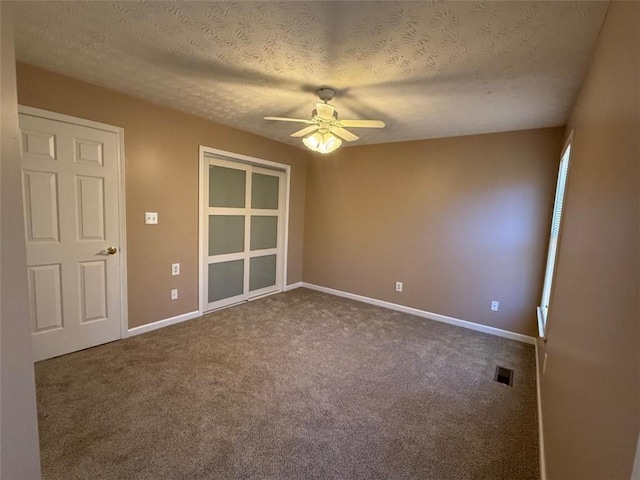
(299, 385)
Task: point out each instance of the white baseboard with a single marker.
(543, 462)
(163, 323)
(422, 313)
(293, 286)
(189, 316)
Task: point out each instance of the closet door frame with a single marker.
(261, 166)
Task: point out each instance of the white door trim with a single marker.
(122, 254)
(239, 158)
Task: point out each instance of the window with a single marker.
(556, 223)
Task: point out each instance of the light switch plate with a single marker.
(151, 218)
(175, 269)
(494, 305)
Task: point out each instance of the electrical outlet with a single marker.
(398, 286)
(494, 305)
(175, 269)
(151, 218)
(174, 294)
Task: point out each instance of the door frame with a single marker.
(247, 160)
(122, 234)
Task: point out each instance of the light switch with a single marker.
(151, 218)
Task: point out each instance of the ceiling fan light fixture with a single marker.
(322, 142)
(325, 132)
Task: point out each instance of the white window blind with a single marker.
(562, 183)
(556, 222)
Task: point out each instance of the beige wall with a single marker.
(461, 221)
(591, 388)
(19, 455)
(161, 150)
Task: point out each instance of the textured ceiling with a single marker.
(428, 69)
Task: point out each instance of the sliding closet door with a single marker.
(227, 232)
(264, 229)
(244, 232)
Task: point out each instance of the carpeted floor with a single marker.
(299, 385)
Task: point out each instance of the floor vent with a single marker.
(504, 375)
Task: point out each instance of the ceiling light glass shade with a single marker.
(322, 142)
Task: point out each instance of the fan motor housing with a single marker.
(326, 94)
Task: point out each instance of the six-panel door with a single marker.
(71, 201)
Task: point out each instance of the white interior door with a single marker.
(70, 176)
(243, 231)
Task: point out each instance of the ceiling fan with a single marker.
(325, 131)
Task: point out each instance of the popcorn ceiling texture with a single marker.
(428, 69)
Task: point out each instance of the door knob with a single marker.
(112, 250)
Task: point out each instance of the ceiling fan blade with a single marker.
(285, 119)
(325, 111)
(305, 131)
(362, 123)
(344, 134)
